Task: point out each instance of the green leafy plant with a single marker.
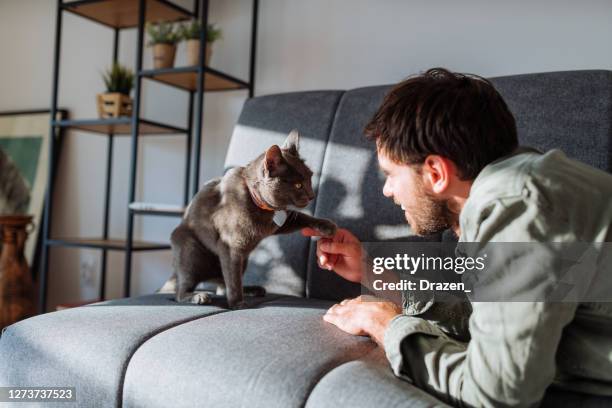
(191, 31)
(119, 79)
(162, 33)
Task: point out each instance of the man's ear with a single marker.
(292, 142)
(438, 171)
(273, 160)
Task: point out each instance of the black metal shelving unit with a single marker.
(196, 80)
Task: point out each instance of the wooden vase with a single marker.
(16, 289)
(193, 52)
(114, 105)
(163, 55)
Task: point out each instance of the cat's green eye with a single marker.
(298, 185)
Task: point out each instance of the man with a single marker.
(448, 147)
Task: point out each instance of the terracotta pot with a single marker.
(163, 55)
(16, 289)
(114, 105)
(193, 53)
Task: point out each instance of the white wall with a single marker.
(314, 44)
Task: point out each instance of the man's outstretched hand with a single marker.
(341, 253)
(363, 316)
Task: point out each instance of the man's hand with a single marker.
(341, 253)
(363, 316)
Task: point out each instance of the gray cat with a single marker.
(230, 215)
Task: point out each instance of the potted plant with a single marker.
(163, 39)
(116, 102)
(191, 34)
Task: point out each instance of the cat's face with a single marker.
(286, 178)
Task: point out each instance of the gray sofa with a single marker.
(149, 351)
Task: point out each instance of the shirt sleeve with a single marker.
(510, 359)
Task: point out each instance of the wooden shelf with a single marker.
(119, 126)
(187, 78)
(111, 244)
(159, 212)
(124, 13)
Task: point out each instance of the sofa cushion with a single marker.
(87, 347)
(271, 356)
(368, 382)
(278, 263)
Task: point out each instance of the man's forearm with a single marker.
(411, 342)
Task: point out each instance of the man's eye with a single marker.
(298, 185)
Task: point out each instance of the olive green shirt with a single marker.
(518, 349)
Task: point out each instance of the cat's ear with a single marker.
(292, 142)
(273, 160)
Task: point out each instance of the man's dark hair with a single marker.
(458, 116)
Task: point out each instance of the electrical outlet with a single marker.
(88, 271)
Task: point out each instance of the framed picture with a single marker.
(24, 168)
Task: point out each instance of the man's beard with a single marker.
(432, 215)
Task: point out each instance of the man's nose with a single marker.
(387, 190)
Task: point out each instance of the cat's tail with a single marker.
(169, 286)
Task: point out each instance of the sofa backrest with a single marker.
(570, 110)
(567, 110)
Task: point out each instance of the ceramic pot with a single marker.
(193, 52)
(16, 289)
(114, 105)
(163, 55)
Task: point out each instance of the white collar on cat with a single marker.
(279, 218)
